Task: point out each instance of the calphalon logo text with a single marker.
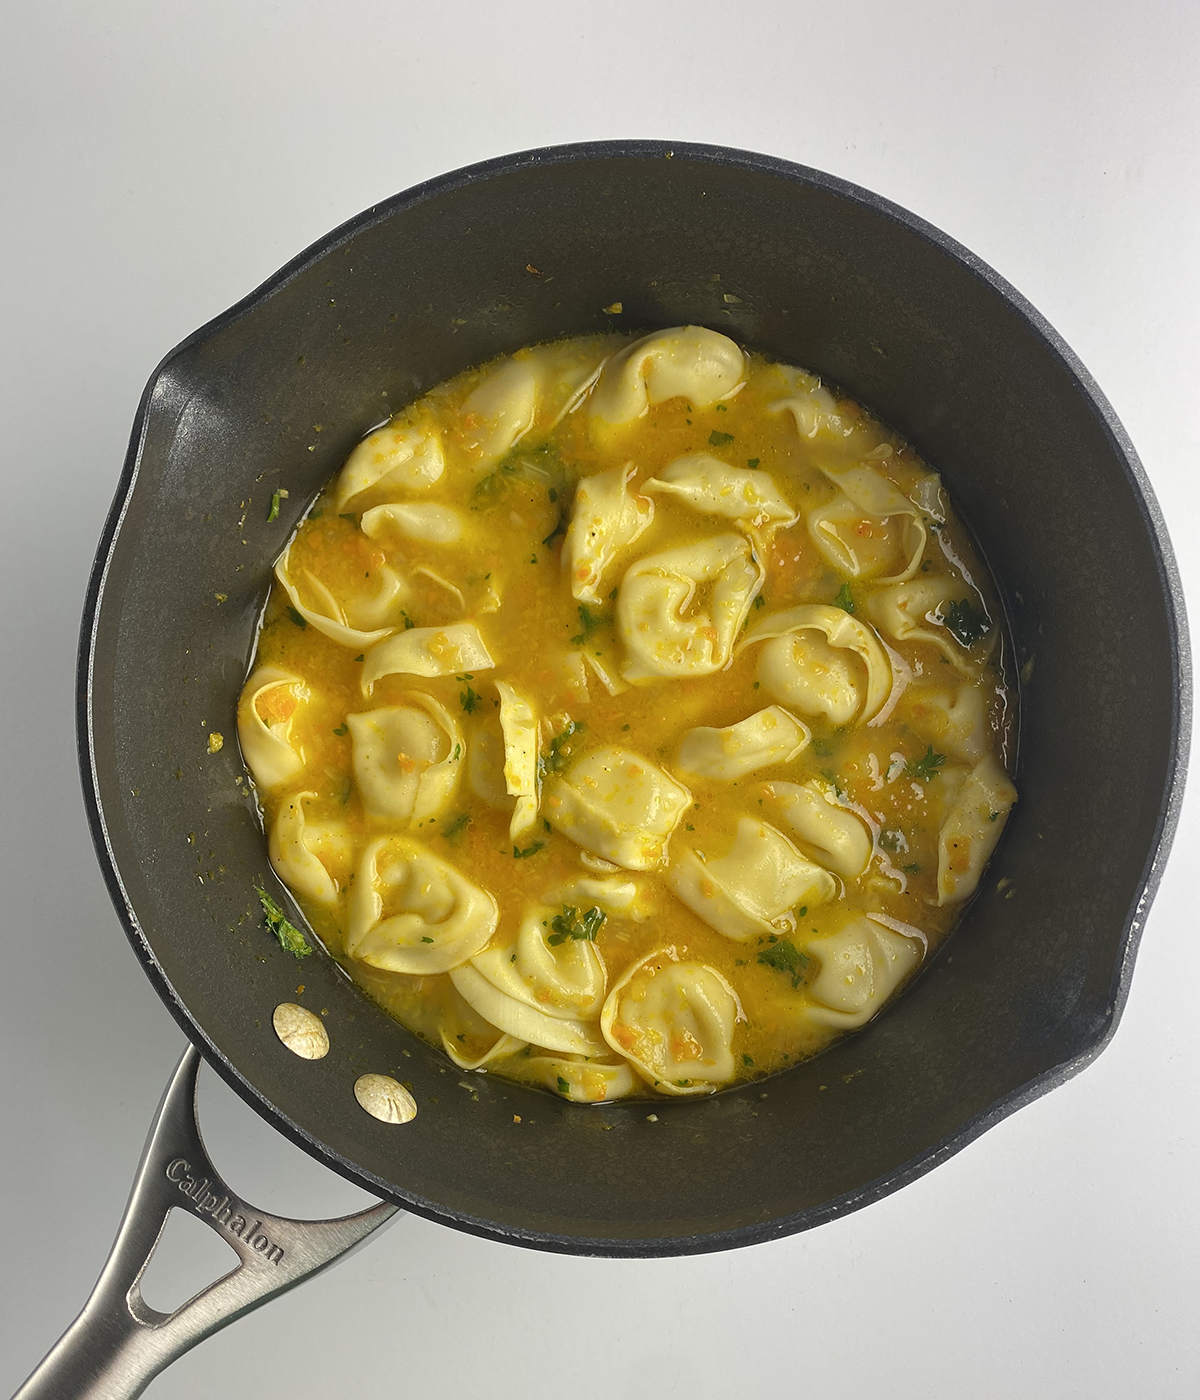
(222, 1210)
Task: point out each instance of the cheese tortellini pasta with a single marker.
(630, 717)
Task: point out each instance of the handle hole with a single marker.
(187, 1258)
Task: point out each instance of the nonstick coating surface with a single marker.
(809, 270)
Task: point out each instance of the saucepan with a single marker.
(275, 393)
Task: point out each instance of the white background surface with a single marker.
(162, 159)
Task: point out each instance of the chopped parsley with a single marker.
(926, 766)
(785, 957)
(425, 938)
(350, 516)
(297, 618)
(273, 513)
(890, 840)
(912, 869)
(752, 462)
(563, 1086)
(456, 826)
(518, 854)
(759, 601)
(342, 730)
(966, 621)
(409, 624)
(291, 940)
(559, 750)
(468, 700)
(589, 621)
(747, 1060)
(718, 439)
(992, 816)
(822, 747)
(454, 757)
(844, 599)
(579, 927)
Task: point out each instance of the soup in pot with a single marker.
(630, 716)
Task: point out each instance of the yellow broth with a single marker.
(891, 773)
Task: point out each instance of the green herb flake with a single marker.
(468, 700)
(350, 516)
(752, 462)
(844, 599)
(890, 840)
(291, 940)
(456, 826)
(992, 816)
(563, 1086)
(297, 618)
(965, 621)
(925, 767)
(518, 854)
(785, 957)
(582, 928)
(360, 656)
(559, 750)
(409, 624)
(425, 938)
(273, 511)
(589, 621)
(911, 869)
(747, 1060)
(342, 730)
(718, 439)
(759, 601)
(822, 747)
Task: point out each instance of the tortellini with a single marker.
(771, 736)
(266, 714)
(605, 519)
(519, 726)
(956, 724)
(709, 485)
(823, 662)
(347, 623)
(499, 413)
(689, 362)
(427, 651)
(542, 989)
(911, 612)
(679, 612)
(971, 829)
(501, 410)
(399, 457)
(858, 969)
(755, 888)
(836, 837)
(432, 524)
(868, 527)
(580, 1080)
(618, 805)
(306, 854)
(674, 1022)
(411, 911)
(485, 769)
(407, 758)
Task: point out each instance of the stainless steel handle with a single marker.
(118, 1344)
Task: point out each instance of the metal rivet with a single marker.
(383, 1098)
(303, 1033)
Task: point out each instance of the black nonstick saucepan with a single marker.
(275, 393)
